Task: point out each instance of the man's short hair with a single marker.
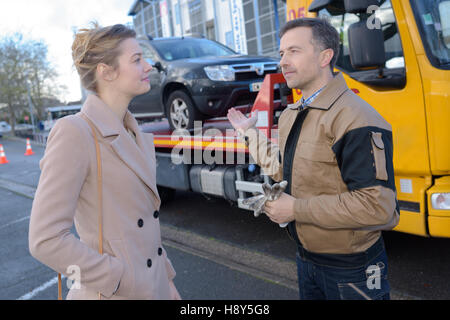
(324, 35)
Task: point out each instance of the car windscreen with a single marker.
(190, 48)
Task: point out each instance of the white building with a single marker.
(247, 26)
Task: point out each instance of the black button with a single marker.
(140, 223)
(156, 214)
(246, 141)
(149, 263)
(159, 251)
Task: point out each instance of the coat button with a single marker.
(159, 251)
(149, 263)
(156, 214)
(140, 223)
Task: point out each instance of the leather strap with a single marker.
(99, 187)
(100, 200)
(59, 287)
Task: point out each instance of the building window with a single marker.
(196, 17)
(229, 39)
(266, 19)
(191, 18)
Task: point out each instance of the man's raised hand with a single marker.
(239, 121)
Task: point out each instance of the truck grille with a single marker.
(251, 75)
(249, 71)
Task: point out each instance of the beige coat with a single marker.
(67, 193)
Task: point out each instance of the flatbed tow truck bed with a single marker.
(210, 158)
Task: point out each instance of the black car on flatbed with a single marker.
(196, 78)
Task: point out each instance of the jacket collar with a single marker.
(326, 98)
(137, 155)
(105, 120)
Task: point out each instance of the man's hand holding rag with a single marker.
(281, 210)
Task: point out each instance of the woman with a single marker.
(134, 264)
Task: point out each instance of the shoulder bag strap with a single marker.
(100, 201)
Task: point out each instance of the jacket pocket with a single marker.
(374, 287)
(360, 291)
(379, 156)
(127, 282)
(315, 167)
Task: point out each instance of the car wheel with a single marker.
(181, 111)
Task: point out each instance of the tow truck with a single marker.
(401, 69)
(211, 159)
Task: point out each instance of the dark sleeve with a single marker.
(365, 158)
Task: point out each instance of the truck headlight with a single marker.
(220, 73)
(440, 201)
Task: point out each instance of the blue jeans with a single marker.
(344, 276)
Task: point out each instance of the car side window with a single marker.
(382, 17)
(149, 54)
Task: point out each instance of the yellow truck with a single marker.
(395, 54)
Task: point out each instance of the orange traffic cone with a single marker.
(3, 159)
(29, 151)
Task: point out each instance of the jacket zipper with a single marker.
(298, 123)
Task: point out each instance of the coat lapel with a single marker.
(136, 155)
(136, 160)
(145, 157)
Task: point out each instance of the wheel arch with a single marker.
(171, 87)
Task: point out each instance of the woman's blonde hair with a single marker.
(97, 45)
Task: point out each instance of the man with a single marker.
(335, 151)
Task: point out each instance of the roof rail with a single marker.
(193, 35)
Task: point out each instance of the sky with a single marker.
(53, 21)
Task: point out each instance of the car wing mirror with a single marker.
(157, 65)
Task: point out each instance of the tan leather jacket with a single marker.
(339, 168)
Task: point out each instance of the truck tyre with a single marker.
(181, 110)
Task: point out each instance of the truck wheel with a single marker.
(181, 110)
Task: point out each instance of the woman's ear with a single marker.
(106, 72)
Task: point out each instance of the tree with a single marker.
(42, 76)
(24, 69)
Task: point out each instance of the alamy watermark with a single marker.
(373, 273)
(74, 277)
(372, 21)
(211, 146)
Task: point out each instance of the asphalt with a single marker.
(204, 271)
(216, 248)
